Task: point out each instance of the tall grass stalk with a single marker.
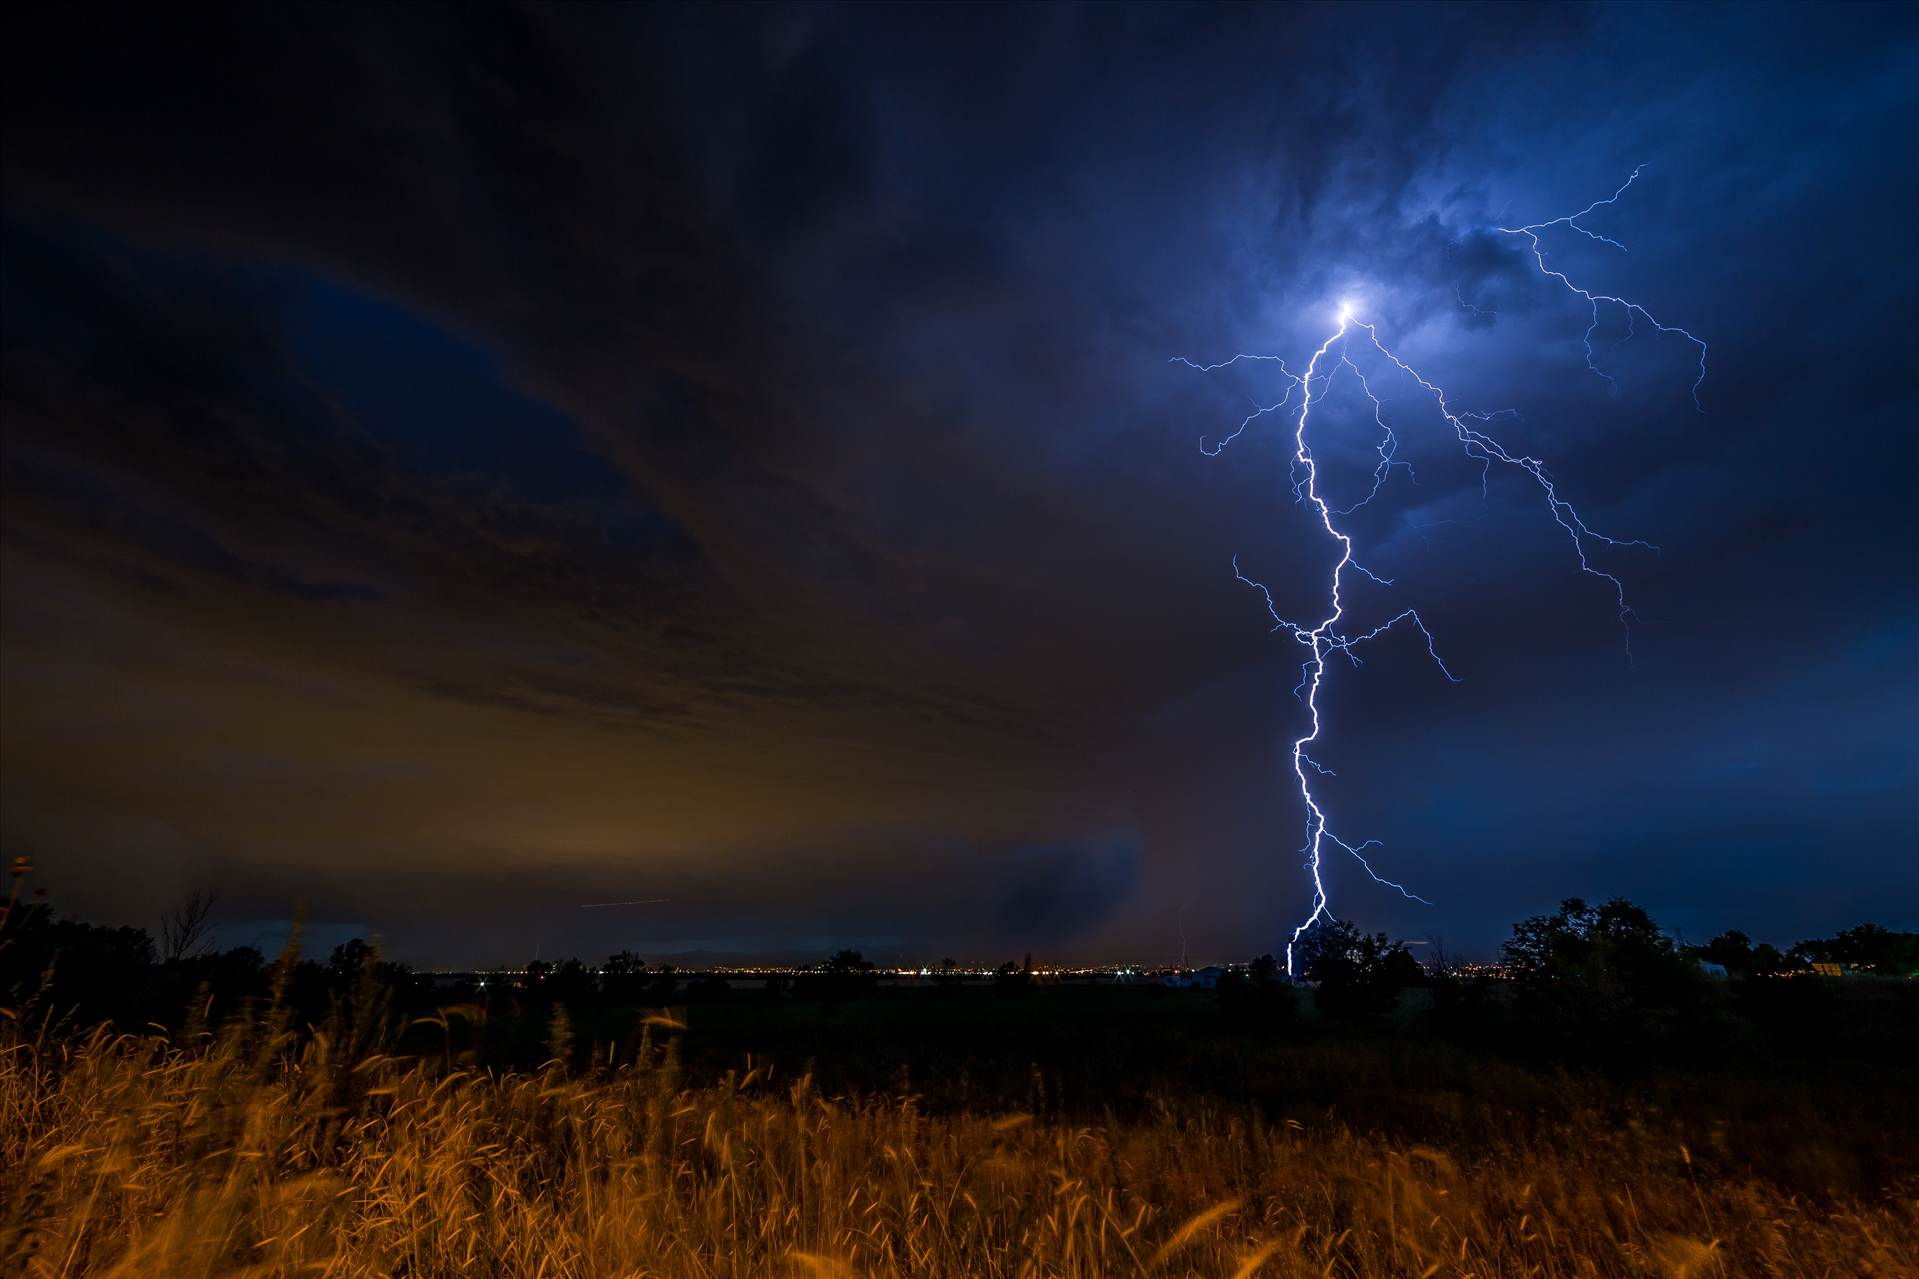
(250, 1153)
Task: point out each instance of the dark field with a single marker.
(1802, 1082)
(1068, 1130)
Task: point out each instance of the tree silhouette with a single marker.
(1359, 975)
(184, 927)
(1869, 947)
(1600, 973)
(846, 974)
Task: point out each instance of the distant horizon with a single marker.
(318, 937)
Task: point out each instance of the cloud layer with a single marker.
(460, 465)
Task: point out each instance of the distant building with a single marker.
(1206, 978)
(1712, 971)
(1829, 970)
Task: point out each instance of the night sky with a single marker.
(464, 464)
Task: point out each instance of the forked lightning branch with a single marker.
(1332, 633)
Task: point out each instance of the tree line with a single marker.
(1585, 973)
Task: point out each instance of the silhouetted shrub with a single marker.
(55, 971)
(662, 984)
(1867, 947)
(1011, 981)
(1257, 995)
(1604, 976)
(846, 975)
(623, 978)
(1359, 975)
(1735, 952)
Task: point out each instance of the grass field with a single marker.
(1140, 1140)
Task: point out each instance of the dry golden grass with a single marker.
(133, 1157)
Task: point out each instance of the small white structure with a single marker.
(1712, 971)
(1206, 978)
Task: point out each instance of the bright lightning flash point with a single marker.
(1331, 634)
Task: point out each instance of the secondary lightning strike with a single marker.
(1571, 222)
(1326, 637)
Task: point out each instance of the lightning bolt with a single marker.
(1331, 634)
(1633, 310)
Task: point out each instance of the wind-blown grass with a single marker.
(255, 1155)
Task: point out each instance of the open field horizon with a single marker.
(1015, 1130)
(251, 1152)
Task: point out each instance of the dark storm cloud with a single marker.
(465, 462)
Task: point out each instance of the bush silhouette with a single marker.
(1359, 975)
(845, 975)
(1601, 975)
(1257, 994)
(1867, 947)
